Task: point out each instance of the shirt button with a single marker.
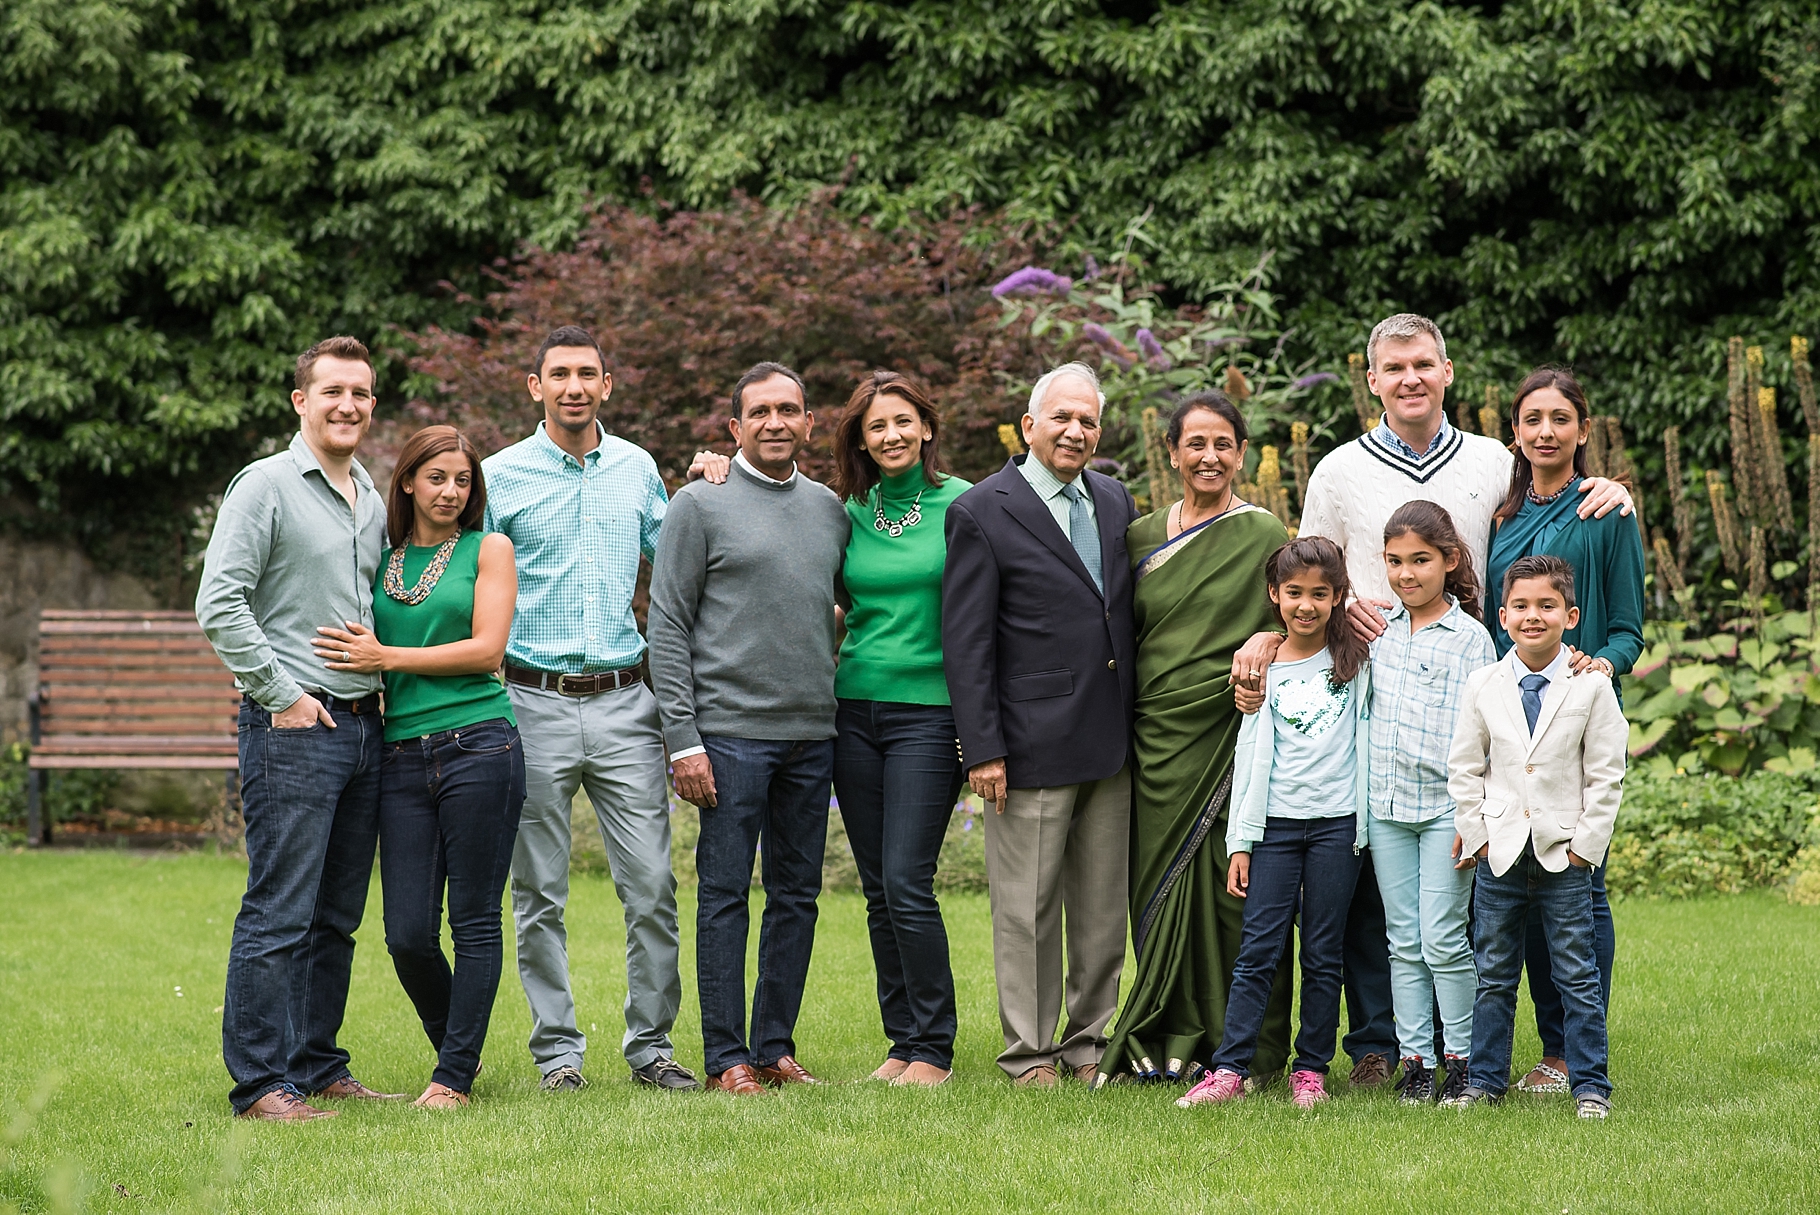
(1530, 768)
(1112, 664)
(1526, 814)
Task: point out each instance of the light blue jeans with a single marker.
(1426, 903)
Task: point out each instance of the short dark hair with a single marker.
(763, 371)
(338, 347)
(1560, 575)
(855, 471)
(1213, 401)
(401, 511)
(567, 335)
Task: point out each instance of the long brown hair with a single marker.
(855, 472)
(1522, 476)
(1324, 557)
(1434, 527)
(400, 513)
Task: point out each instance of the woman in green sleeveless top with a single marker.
(453, 779)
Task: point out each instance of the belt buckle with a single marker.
(562, 685)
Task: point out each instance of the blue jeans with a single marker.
(1370, 1008)
(1426, 904)
(1501, 911)
(897, 775)
(448, 815)
(1305, 862)
(1551, 1018)
(310, 801)
(775, 794)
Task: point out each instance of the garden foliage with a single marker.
(1687, 835)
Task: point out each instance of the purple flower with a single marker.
(1032, 280)
(1154, 354)
(1319, 377)
(1093, 269)
(1115, 350)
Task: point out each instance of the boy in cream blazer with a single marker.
(1536, 773)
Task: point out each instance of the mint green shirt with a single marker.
(1049, 488)
(893, 649)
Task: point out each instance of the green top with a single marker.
(893, 650)
(416, 705)
(1198, 598)
(1607, 559)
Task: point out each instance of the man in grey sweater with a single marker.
(742, 642)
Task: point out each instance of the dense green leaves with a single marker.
(191, 191)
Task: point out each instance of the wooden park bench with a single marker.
(127, 690)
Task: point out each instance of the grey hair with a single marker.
(1082, 370)
(1403, 325)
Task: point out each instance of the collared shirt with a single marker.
(1559, 670)
(579, 527)
(1049, 488)
(1417, 681)
(739, 458)
(287, 556)
(1394, 441)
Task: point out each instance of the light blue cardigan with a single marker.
(1256, 753)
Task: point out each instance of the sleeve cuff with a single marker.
(686, 752)
(273, 691)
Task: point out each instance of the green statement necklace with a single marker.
(432, 573)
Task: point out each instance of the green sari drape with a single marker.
(1198, 599)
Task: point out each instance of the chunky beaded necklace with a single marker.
(894, 527)
(432, 573)
(1539, 500)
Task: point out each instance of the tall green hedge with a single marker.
(191, 191)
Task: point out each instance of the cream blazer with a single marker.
(1559, 787)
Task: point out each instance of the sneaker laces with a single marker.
(1307, 1082)
(1455, 1084)
(1414, 1074)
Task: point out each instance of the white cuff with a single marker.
(686, 752)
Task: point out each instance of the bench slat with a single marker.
(68, 744)
(162, 763)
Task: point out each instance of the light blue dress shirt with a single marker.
(1049, 488)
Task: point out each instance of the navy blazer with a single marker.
(1041, 667)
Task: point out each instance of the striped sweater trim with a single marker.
(1420, 471)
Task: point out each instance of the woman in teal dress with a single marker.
(1551, 421)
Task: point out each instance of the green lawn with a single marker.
(1716, 1053)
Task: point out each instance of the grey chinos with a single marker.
(609, 744)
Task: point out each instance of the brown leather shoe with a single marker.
(890, 1070)
(1040, 1076)
(347, 1087)
(282, 1105)
(441, 1097)
(1086, 1073)
(786, 1071)
(1370, 1071)
(740, 1080)
(923, 1075)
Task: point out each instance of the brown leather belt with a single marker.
(574, 685)
(366, 704)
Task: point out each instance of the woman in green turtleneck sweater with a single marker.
(897, 769)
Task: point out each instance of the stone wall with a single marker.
(34, 575)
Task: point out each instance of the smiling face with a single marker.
(1535, 615)
(894, 433)
(1418, 570)
(571, 387)
(1209, 456)
(337, 407)
(1065, 431)
(773, 425)
(439, 491)
(1305, 600)
(1411, 378)
(1549, 430)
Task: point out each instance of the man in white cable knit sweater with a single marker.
(1413, 453)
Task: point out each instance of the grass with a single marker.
(1716, 1052)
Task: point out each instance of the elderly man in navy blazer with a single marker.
(1040, 656)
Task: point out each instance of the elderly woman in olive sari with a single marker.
(1200, 594)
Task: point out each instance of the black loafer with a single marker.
(666, 1073)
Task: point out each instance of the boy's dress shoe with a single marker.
(283, 1105)
(441, 1097)
(347, 1087)
(740, 1080)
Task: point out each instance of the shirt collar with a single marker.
(739, 458)
(559, 454)
(1557, 670)
(1394, 441)
(306, 462)
(1046, 484)
(1450, 619)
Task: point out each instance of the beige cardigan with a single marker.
(1559, 787)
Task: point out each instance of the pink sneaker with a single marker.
(1214, 1088)
(1307, 1089)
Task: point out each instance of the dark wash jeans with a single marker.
(310, 800)
(1371, 1016)
(1501, 911)
(448, 814)
(1305, 863)
(897, 775)
(770, 795)
(1551, 1014)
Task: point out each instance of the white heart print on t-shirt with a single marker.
(1311, 706)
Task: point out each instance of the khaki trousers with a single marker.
(1054, 853)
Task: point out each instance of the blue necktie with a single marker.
(1533, 686)
(1082, 534)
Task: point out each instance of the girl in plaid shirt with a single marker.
(1432, 642)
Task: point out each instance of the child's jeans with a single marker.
(1425, 909)
(1500, 918)
(1308, 863)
